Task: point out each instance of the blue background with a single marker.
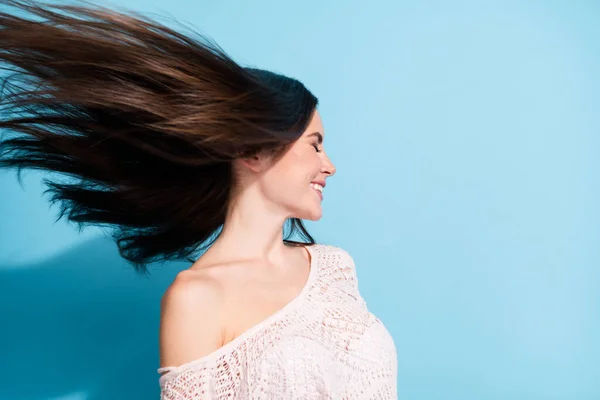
(465, 135)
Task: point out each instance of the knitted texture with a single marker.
(324, 344)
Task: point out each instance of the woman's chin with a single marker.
(314, 214)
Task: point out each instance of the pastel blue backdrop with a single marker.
(466, 137)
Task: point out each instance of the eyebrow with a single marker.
(318, 135)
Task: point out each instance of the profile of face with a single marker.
(293, 185)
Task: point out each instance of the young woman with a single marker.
(181, 150)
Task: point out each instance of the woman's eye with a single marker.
(316, 148)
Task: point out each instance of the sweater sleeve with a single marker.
(348, 270)
(215, 377)
(187, 385)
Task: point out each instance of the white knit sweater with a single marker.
(324, 344)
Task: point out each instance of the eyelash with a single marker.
(316, 148)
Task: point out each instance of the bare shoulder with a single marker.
(191, 323)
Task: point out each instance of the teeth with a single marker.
(317, 186)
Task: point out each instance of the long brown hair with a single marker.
(143, 121)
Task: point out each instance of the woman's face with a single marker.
(290, 181)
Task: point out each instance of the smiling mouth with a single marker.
(317, 188)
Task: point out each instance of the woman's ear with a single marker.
(251, 162)
(257, 162)
(261, 160)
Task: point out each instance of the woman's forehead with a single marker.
(315, 125)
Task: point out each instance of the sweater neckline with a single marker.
(312, 273)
